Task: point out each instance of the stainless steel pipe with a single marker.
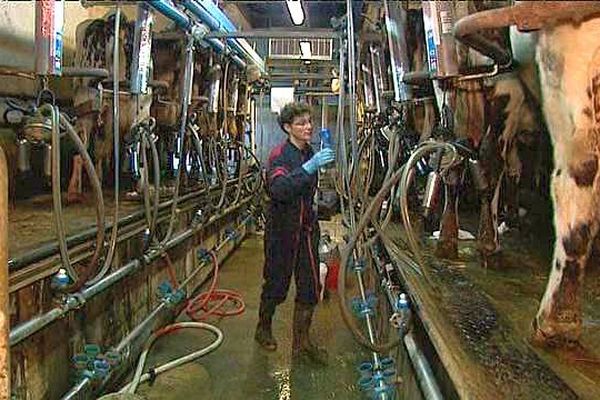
(425, 377)
(24, 330)
(143, 326)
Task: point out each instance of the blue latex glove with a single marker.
(317, 161)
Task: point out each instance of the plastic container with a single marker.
(61, 279)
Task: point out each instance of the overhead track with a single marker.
(278, 34)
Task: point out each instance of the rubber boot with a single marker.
(302, 346)
(264, 332)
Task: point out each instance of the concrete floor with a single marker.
(240, 369)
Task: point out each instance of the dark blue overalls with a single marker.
(292, 230)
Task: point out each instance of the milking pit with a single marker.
(299, 199)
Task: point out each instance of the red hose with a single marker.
(213, 302)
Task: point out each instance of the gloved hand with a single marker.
(320, 159)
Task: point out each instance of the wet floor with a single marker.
(239, 368)
(486, 314)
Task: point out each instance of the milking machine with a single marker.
(141, 135)
(44, 125)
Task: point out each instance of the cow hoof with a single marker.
(447, 250)
(132, 196)
(556, 335)
(75, 198)
(488, 248)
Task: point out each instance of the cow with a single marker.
(568, 59)
(95, 42)
(511, 113)
(493, 125)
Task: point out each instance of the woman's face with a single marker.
(300, 129)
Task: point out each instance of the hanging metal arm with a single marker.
(526, 15)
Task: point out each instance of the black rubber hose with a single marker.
(223, 177)
(97, 188)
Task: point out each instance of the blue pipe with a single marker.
(202, 13)
(166, 8)
(215, 19)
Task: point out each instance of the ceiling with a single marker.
(261, 14)
(274, 13)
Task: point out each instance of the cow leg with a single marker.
(491, 173)
(497, 154)
(512, 180)
(75, 190)
(558, 320)
(447, 246)
(570, 81)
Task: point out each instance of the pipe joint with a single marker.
(74, 301)
(378, 381)
(169, 295)
(359, 265)
(364, 308)
(203, 255)
(199, 31)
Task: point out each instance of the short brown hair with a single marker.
(291, 111)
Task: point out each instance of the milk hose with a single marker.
(140, 377)
(78, 281)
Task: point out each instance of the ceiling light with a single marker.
(296, 11)
(305, 49)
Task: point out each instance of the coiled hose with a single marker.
(181, 136)
(219, 149)
(200, 307)
(420, 152)
(197, 143)
(112, 247)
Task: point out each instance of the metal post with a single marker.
(4, 312)
(395, 22)
(49, 18)
(377, 73)
(352, 81)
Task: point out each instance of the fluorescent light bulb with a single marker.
(305, 49)
(296, 11)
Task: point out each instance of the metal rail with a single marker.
(5, 374)
(278, 34)
(143, 327)
(50, 250)
(75, 301)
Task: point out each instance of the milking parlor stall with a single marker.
(426, 173)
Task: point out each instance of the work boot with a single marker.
(302, 346)
(264, 332)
